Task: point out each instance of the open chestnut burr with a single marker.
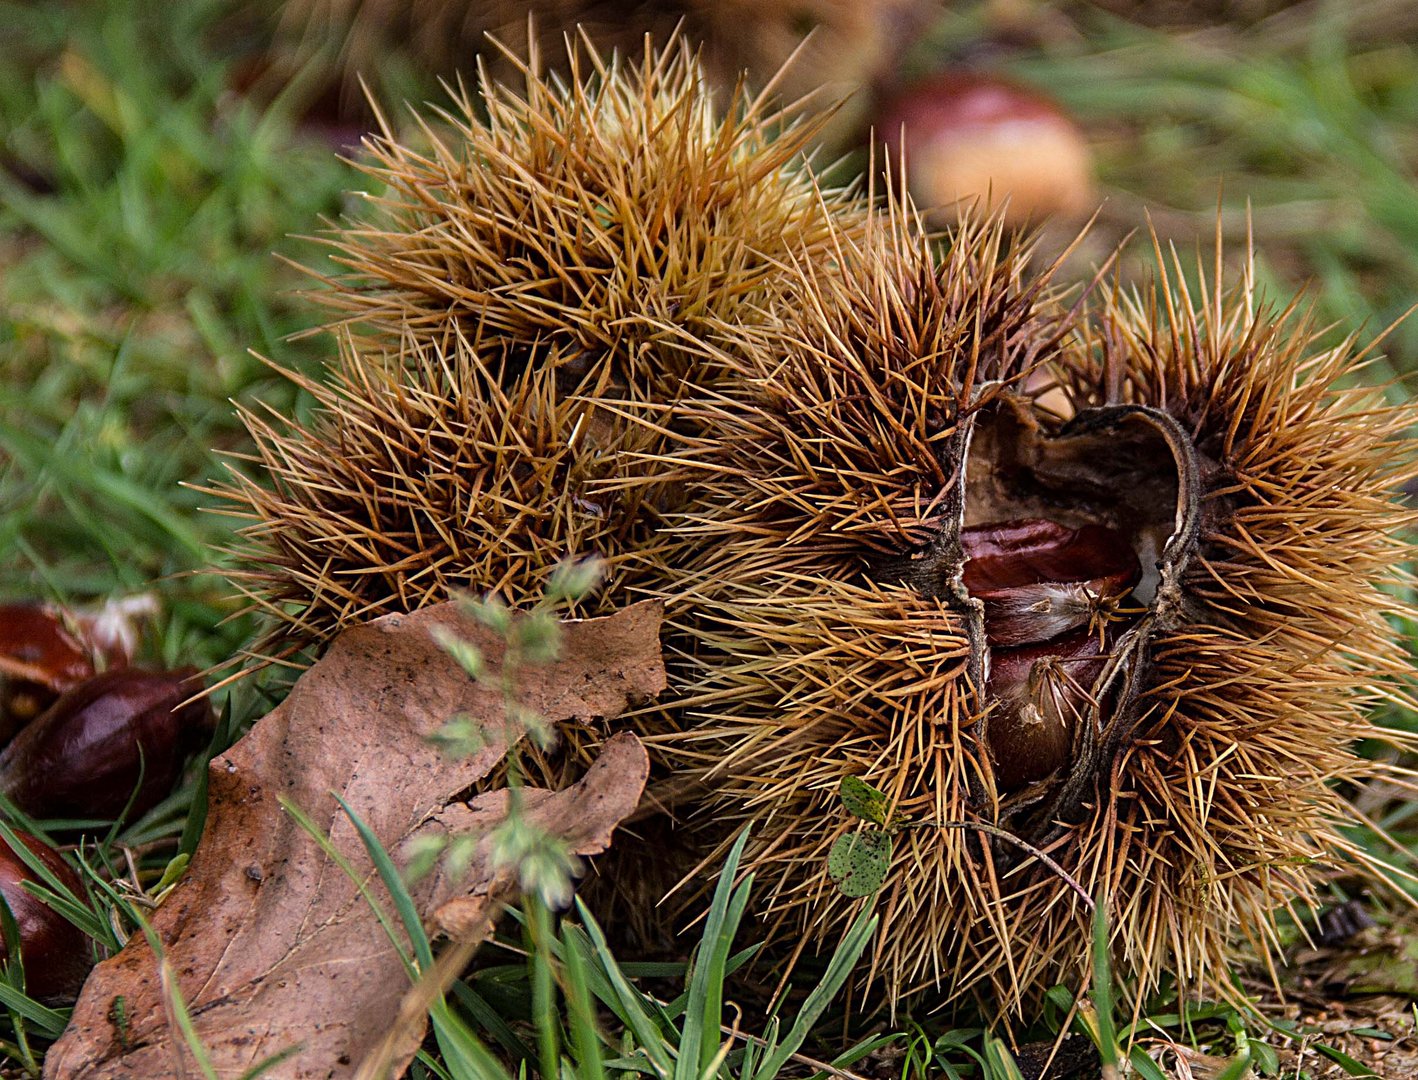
(1051, 598)
(1100, 588)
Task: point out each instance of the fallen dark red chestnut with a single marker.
(1050, 594)
(1039, 579)
(39, 660)
(56, 954)
(85, 756)
(973, 136)
(1042, 694)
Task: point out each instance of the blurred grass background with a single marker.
(148, 198)
(141, 202)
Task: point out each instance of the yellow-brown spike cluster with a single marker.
(1092, 597)
(430, 471)
(605, 218)
(516, 309)
(1264, 677)
(892, 448)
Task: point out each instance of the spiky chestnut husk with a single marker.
(523, 294)
(599, 220)
(427, 473)
(829, 632)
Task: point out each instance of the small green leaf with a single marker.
(176, 867)
(863, 801)
(1267, 1061)
(858, 862)
(1236, 1068)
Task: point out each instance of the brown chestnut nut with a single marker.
(39, 660)
(84, 757)
(1041, 693)
(56, 954)
(973, 136)
(1039, 579)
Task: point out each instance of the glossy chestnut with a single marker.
(39, 660)
(56, 954)
(968, 135)
(1039, 579)
(117, 733)
(1041, 693)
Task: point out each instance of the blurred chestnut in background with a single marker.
(56, 954)
(39, 660)
(84, 757)
(970, 136)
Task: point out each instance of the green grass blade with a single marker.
(334, 855)
(266, 1064)
(848, 951)
(177, 1003)
(432, 1065)
(1103, 985)
(53, 892)
(1144, 1066)
(581, 1007)
(540, 957)
(394, 883)
(631, 1010)
(491, 1021)
(999, 1062)
(1344, 1061)
(675, 1007)
(50, 1022)
(575, 937)
(1237, 1068)
(869, 1045)
(699, 1040)
(196, 819)
(464, 1054)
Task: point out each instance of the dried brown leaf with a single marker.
(268, 940)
